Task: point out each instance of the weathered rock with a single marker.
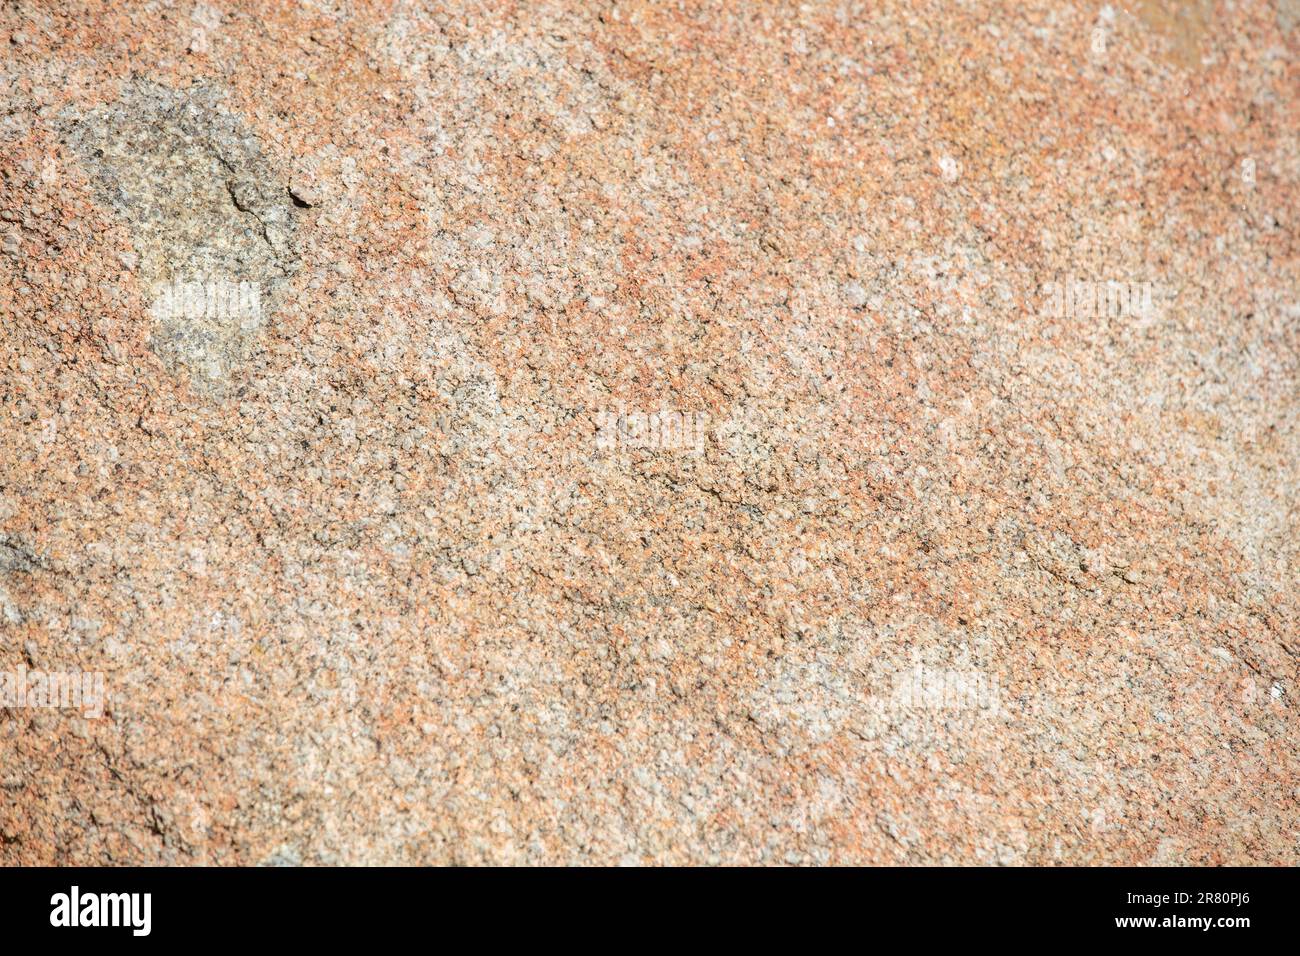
(704, 433)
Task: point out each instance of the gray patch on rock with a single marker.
(1288, 14)
(283, 855)
(203, 205)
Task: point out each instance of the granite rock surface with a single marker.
(706, 432)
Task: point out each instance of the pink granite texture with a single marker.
(685, 433)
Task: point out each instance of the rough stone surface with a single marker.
(910, 566)
(200, 201)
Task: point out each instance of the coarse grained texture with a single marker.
(394, 567)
